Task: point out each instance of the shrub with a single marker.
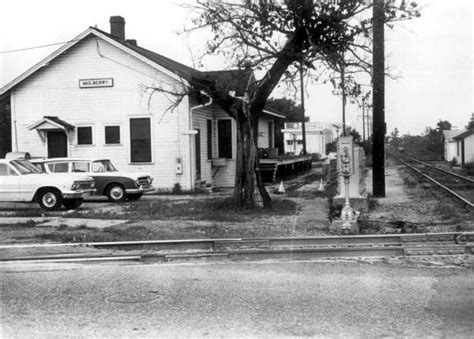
(177, 189)
(469, 167)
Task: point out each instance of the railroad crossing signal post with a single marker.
(347, 223)
(347, 157)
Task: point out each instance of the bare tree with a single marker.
(275, 38)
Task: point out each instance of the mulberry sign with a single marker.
(94, 83)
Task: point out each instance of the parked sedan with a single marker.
(21, 181)
(114, 184)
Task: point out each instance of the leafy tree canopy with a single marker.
(278, 38)
(276, 35)
(470, 125)
(443, 125)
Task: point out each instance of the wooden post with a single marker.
(378, 177)
(303, 126)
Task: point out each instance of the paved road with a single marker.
(235, 299)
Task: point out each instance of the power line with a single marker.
(35, 47)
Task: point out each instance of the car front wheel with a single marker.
(50, 200)
(72, 204)
(116, 193)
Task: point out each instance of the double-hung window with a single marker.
(224, 138)
(140, 140)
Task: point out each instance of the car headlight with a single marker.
(75, 186)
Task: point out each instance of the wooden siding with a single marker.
(469, 149)
(450, 150)
(223, 176)
(200, 117)
(54, 91)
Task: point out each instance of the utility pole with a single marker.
(343, 84)
(303, 127)
(363, 121)
(378, 177)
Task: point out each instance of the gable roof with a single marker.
(232, 80)
(177, 68)
(464, 135)
(48, 122)
(450, 134)
(168, 66)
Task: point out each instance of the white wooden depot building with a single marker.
(89, 99)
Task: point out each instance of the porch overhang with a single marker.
(50, 123)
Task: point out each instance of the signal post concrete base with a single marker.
(360, 204)
(344, 227)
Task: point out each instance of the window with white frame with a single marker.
(84, 135)
(112, 135)
(140, 140)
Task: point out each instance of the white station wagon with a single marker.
(116, 185)
(21, 181)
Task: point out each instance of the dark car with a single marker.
(114, 184)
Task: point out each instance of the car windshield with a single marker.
(103, 166)
(25, 167)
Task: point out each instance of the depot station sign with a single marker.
(95, 83)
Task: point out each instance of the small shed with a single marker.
(465, 146)
(451, 148)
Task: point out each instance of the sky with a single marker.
(431, 56)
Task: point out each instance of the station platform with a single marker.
(394, 187)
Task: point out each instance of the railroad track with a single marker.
(394, 245)
(458, 186)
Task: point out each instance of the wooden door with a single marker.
(57, 144)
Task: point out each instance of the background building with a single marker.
(318, 135)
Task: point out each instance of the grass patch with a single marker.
(62, 227)
(209, 218)
(73, 235)
(373, 203)
(29, 223)
(209, 209)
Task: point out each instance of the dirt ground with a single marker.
(302, 211)
(410, 206)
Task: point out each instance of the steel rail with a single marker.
(442, 169)
(259, 248)
(266, 243)
(447, 189)
(266, 248)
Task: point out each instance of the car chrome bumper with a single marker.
(78, 194)
(138, 190)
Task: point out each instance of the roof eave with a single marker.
(280, 116)
(141, 57)
(463, 135)
(52, 122)
(43, 63)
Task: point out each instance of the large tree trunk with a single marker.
(247, 171)
(244, 178)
